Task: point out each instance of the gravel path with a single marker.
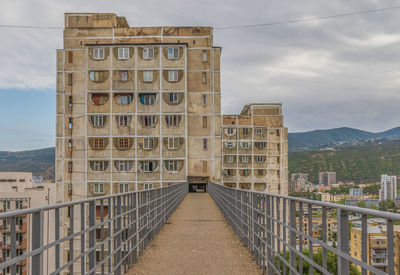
(196, 240)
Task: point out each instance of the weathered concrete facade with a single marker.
(136, 107)
(255, 149)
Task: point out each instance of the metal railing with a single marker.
(97, 235)
(271, 227)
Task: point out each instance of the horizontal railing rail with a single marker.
(101, 235)
(279, 232)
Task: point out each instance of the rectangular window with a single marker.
(123, 53)
(172, 165)
(70, 101)
(148, 121)
(204, 78)
(260, 172)
(172, 76)
(205, 166)
(204, 144)
(98, 53)
(173, 53)
(148, 186)
(204, 100)
(148, 53)
(245, 172)
(259, 131)
(148, 165)
(70, 145)
(98, 165)
(173, 143)
(70, 167)
(125, 99)
(204, 122)
(278, 132)
(124, 187)
(98, 121)
(123, 165)
(229, 131)
(173, 120)
(204, 56)
(98, 143)
(98, 188)
(123, 120)
(260, 144)
(260, 159)
(18, 204)
(69, 79)
(245, 159)
(148, 99)
(148, 76)
(229, 159)
(123, 143)
(148, 143)
(229, 172)
(230, 144)
(123, 75)
(173, 97)
(70, 57)
(278, 147)
(245, 131)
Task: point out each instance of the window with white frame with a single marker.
(147, 98)
(123, 187)
(6, 204)
(230, 131)
(147, 121)
(148, 143)
(171, 165)
(173, 120)
(123, 53)
(229, 144)
(204, 56)
(19, 204)
(260, 159)
(123, 120)
(125, 99)
(148, 76)
(123, 76)
(245, 159)
(173, 76)
(245, 144)
(173, 143)
(173, 53)
(123, 165)
(148, 165)
(98, 188)
(245, 131)
(98, 165)
(98, 53)
(259, 131)
(260, 144)
(148, 186)
(230, 159)
(173, 97)
(148, 53)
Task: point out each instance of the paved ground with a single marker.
(196, 240)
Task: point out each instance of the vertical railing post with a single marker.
(57, 237)
(37, 242)
(292, 226)
(83, 217)
(117, 238)
(92, 235)
(343, 237)
(13, 243)
(268, 230)
(390, 248)
(71, 241)
(364, 241)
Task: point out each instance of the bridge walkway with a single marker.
(196, 240)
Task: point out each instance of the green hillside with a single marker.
(359, 164)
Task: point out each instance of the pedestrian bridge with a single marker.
(171, 231)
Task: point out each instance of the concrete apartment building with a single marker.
(388, 189)
(377, 255)
(299, 182)
(254, 149)
(18, 192)
(327, 178)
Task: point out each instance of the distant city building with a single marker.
(327, 178)
(355, 192)
(388, 188)
(299, 182)
(368, 202)
(37, 179)
(18, 192)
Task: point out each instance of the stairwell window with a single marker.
(204, 56)
(123, 187)
(98, 120)
(70, 145)
(245, 159)
(204, 122)
(123, 53)
(173, 143)
(148, 76)
(148, 143)
(70, 124)
(69, 167)
(148, 166)
(205, 144)
(98, 53)
(70, 101)
(173, 76)
(204, 78)
(173, 121)
(171, 165)
(98, 165)
(98, 188)
(148, 53)
(123, 165)
(69, 79)
(123, 120)
(173, 97)
(147, 98)
(278, 133)
(173, 53)
(204, 100)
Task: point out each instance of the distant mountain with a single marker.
(39, 162)
(360, 164)
(320, 139)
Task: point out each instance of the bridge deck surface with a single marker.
(196, 240)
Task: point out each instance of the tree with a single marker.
(362, 204)
(372, 189)
(387, 205)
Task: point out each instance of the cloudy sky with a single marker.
(327, 73)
